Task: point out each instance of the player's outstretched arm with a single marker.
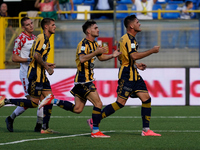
(140, 55)
(116, 53)
(39, 60)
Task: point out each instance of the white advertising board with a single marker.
(166, 86)
(194, 86)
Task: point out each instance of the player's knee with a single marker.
(78, 110)
(99, 104)
(147, 100)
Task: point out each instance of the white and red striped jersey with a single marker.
(22, 46)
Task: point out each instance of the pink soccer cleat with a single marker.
(99, 135)
(150, 133)
(46, 101)
(90, 123)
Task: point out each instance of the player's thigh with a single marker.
(94, 98)
(46, 88)
(46, 92)
(144, 96)
(79, 104)
(35, 100)
(121, 100)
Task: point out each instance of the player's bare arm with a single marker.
(16, 58)
(140, 55)
(100, 50)
(39, 60)
(141, 66)
(116, 53)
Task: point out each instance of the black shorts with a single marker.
(82, 90)
(130, 88)
(35, 88)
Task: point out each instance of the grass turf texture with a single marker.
(179, 126)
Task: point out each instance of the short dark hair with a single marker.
(188, 3)
(46, 21)
(23, 20)
(128, 19)
(87, 24)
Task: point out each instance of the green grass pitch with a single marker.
(179, 126)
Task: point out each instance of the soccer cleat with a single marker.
(90, 123)
(38, 127)
(48, 131)
(9, 123)
(2, 101)
(46, 101)
(99, 135)
(150, 133)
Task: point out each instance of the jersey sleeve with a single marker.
(132, 46)
(18, 46)
(82, 48)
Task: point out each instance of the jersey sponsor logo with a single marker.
(132, 45)
(44, 46)
(82, 48)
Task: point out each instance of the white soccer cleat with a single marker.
(46, 101)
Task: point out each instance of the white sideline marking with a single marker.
(121, 117)
(40, 139)
(75, 135)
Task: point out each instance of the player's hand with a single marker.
(116, 53)
(50, 71)
(51, 65)
(101, 50)
(141, 66)
(156, 49)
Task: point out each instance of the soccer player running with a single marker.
(21, 51)
(84, 89)
(130, 83)
(38, 81)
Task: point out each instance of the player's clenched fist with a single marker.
(101, 50)
(156, 49)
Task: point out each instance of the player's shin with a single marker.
(146, 114)
(47, 114)
(96, 117)
(22, 102)
(110, 109)
(65, 105)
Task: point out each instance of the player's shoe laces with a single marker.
(46, 101)
(90, 123)
(38, 127)
(2, 101)
(9, 123)
(48, 131)
(99, 135)
(150, 133)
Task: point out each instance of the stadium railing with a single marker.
(4, 45)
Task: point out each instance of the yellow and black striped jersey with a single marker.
(41, 45)
(127, 45)
(85, 70)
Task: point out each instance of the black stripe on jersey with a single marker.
(89, 62)
(81, 77)
(129, 59)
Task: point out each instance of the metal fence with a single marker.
(179, 41)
